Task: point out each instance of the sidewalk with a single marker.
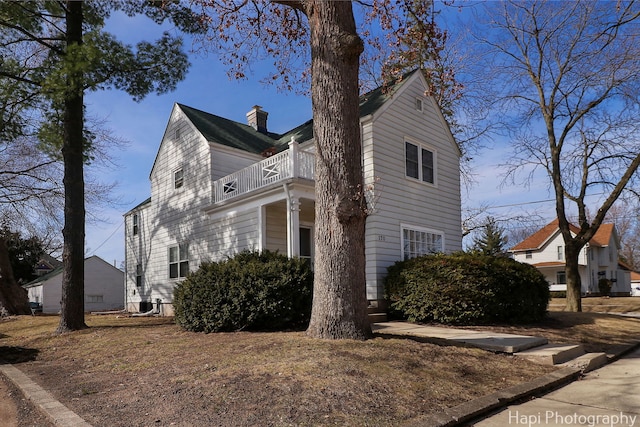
(607, 397)
(612, 392)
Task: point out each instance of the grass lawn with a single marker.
(147, 371)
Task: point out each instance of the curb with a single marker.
(477, 407)
(57, 413)
(482, 406)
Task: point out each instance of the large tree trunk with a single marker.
(13, 298)
(72, 312)
(339, 296)
(574, 283)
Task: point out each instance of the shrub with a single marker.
(465, 288)
(558, 294)
(253, 290)
(604, 286)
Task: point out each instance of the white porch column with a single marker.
(262, 227)
(293, 226)
(293, 157)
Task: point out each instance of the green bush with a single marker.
(251, 291)
(604, 286)
(464, 289)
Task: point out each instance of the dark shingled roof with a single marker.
(369, 104)
(244, 137)
(227, 132)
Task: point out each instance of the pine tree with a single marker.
(492, 241)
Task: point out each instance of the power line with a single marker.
(109, 237)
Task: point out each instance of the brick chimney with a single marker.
(257, 119)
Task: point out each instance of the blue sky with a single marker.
(208, 88)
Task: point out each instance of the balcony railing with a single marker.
(292, 163)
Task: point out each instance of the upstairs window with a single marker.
(419, 104)
(560, 253)
(178, 178)
(528, 254)
(419, 163)
(135, 224)
(178, 261)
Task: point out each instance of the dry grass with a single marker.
(601, 305)
(149, 371)
(599, 327)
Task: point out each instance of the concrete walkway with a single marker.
(612, 392)
(491, 341)
(609, 396)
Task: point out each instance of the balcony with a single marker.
(288, 164)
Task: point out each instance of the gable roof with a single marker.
(539, 238)
(242, 136)
(227, 132)
(603, 235)
(58, 270)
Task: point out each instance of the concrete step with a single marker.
(588, 362)
(553, 354)
(377, 317)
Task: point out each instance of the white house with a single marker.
(544, 249)
(103, 287)
(635, 284)
(219, 186)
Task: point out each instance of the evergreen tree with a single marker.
(59, 50)
(492, 241)
(24, 254)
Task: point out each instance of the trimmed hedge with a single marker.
(251, 291)
(465, 289)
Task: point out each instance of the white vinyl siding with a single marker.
(402, 200)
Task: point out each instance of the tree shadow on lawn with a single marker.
(13, 355)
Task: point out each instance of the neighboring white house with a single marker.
(544, 249)
(219, 187)
(635, 284)
(103, 287)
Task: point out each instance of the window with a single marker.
(419, 104)
(561, 278)
(420, 163)
(139, 275)
(135, 224)
(560, 253)
(416, 242)
(95, 298)
(178, 261)
(178, 178)
(528, 254)
(306, 242)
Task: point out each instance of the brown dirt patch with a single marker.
(149, 372)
